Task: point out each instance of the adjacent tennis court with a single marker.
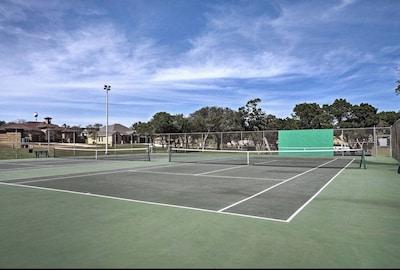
(197, 209)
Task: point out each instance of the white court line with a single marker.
(75, 164)
(315, 195)
(177, 206)
(204, 175)
(277, 160)
(55, 163)
(265, 190)
(166, 165)
(266, 162)
(220, 170)
(141, 170)
(142, 202)
(66, 176)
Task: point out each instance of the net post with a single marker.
(148, 152)
(96, 154)
(169, 153)
(248, 157)
(364, 163)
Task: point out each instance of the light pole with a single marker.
(48, 140)
(107, 88)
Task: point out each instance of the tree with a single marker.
(163, 122)
(311, 116)
(363, 115)
(181, 124)
(214, 119)
(290, 123)
(253, 118)
(231, 120)
(340, 110)
(142, 128)
(388, 118)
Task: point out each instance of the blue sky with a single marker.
(178, 56)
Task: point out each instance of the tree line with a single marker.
(250, 117)
(340, 114)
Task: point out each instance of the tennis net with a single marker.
(324, 158)
(101, 154)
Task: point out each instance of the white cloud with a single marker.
(60, 53)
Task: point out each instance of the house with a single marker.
(117, 134)
(16, 134)
(19, 134)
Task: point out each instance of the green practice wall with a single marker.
(306, 139)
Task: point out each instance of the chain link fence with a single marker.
(375, 141)
(395, 147)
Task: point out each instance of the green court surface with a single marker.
(352, 221)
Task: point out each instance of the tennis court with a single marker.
(185, 213)
(270, 192)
